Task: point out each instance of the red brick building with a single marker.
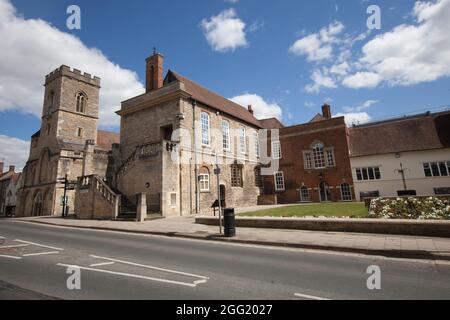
(314, 164)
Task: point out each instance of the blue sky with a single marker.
(264, 52)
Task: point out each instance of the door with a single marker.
(325, 194)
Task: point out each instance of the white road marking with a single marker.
(131, 275)
(39, 245)
(265, 247)
(151, 267)
(14, 246)
(307, 296)
(10, 257)
(39, 253)
(101, 264)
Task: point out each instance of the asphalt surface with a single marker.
(35, 261)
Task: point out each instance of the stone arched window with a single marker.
(37, 204)
(51, 102)
(346, 192)
(81, 101)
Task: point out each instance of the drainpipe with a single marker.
(194, 104)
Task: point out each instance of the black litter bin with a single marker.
(229, 222)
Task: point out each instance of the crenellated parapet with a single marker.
(72, 73)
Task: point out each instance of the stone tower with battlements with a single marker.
(66, 143)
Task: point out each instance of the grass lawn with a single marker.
(354, 210)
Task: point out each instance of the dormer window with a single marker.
(81, 102)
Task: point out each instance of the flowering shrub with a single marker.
(430, 208)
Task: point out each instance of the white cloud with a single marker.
(318, 46)
(309, 104)
(262, 108)
(409, 54)
(31, 48)
(14, 151)
(225, 32)
(362, 80)
(356, 118)
(362, 106)
(320, 80)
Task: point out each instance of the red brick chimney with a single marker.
(154, 71)
(250, 109)
(1, 168)
(326, 111)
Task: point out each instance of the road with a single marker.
(35, 259)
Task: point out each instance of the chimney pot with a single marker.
(250, 109)
(326, 111)
(154, 71)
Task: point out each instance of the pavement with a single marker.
(414, 247)
(39, 261)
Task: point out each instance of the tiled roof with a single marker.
(398, 135)
(213, 100)
(106, 139)
(271, 123)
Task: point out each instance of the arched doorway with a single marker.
(325, 193)
(37, 205)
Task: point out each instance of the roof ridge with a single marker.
(203, 87)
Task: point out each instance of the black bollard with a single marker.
(229, 222)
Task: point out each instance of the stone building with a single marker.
(171, 138)
(9, 185)
(314, 164)
(67, 144)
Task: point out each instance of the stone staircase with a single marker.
(127, 210)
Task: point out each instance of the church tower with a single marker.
(65, 143)
(71, 107)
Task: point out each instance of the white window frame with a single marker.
(302, 196)
(204, 182)
(330, 158)
(366, 170)
(205, 121)
(279, 181)
(349, 192)
(308, 160)
(256, 143)
(319, 160)
(438, 163)
(242, 140)
(276, 150)
(226, 142)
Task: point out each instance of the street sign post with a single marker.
(217, 173)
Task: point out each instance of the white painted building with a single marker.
(410, 153)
